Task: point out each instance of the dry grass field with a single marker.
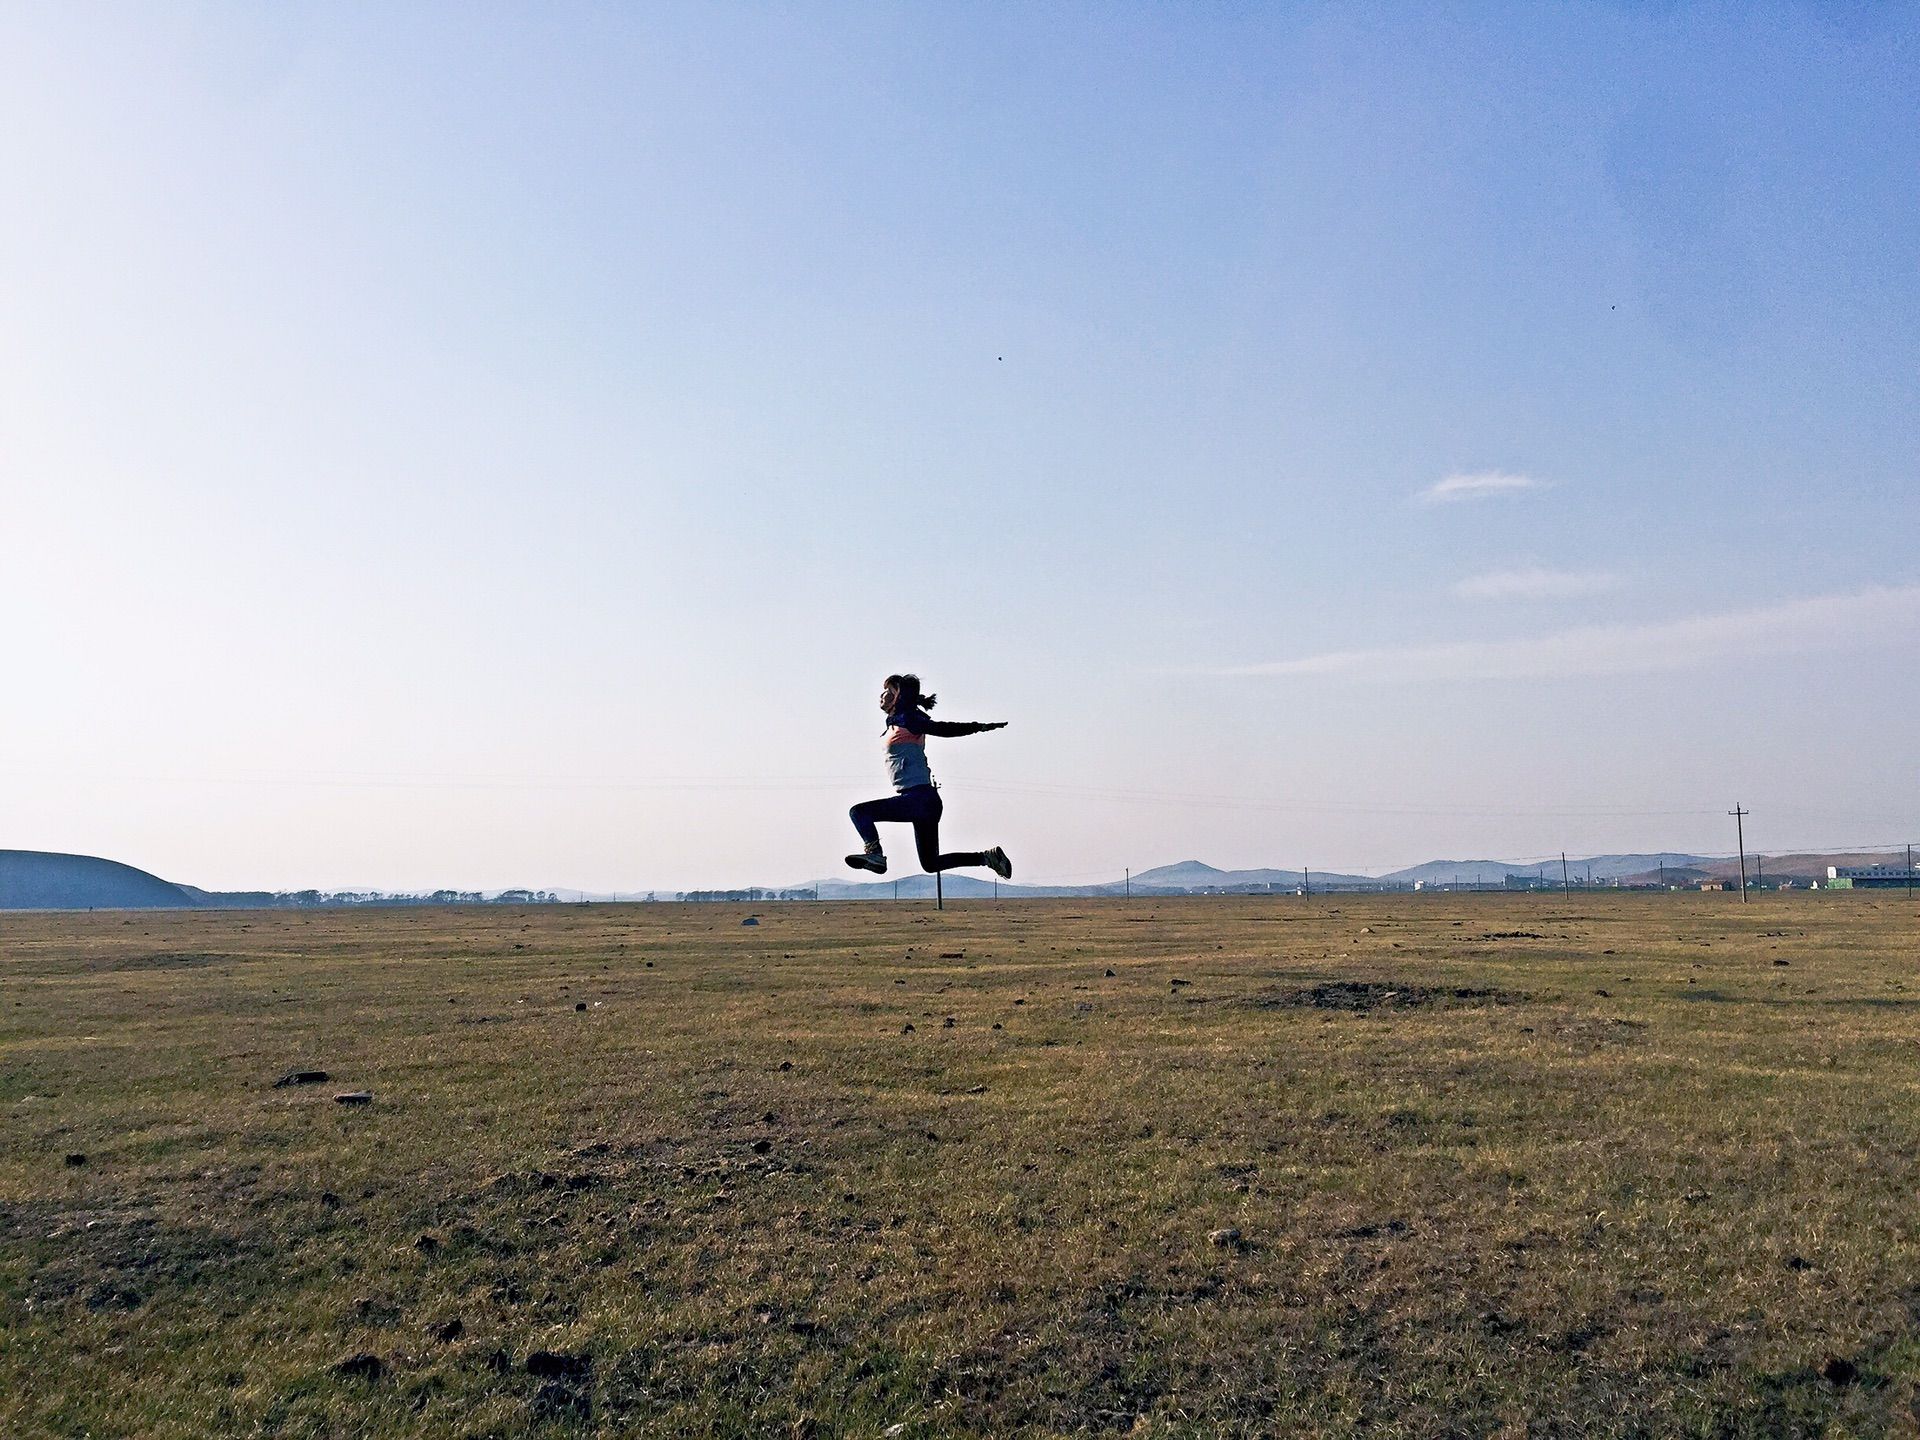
(1415, 1165)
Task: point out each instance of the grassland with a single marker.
(1541, 1165)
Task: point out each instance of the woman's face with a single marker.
(889, 697)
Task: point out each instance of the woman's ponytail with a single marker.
(907, 688)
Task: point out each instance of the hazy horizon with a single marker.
(1490, 870)
(509, 448)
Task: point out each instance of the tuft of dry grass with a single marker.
(1526, 1165)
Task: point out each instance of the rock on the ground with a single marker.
(1226, 1237)
(354, 1097)
(364, 1366)
(302, 1077)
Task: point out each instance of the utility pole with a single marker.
(1306, 883)
(1759, 871)
(1565, 883)
(1663, 874)
(1740, 835)
(939, 892)
(1129, 884)
(1909, 872)
(896, 889)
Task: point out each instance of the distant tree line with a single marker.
(307, 898)
(750, 895)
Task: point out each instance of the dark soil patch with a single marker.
(168, 960)
(555, 1364)
(1381, 995)
(364, 1366)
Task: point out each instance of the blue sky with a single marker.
(454, 445)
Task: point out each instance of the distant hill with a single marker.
(1197, 875)
(915, 886)
(1177, 879)
(1616, 867)
(1187, 874)
(1602, 867)
(1769, 869)
(1446, 872)
(44, 880)
(1674, 875)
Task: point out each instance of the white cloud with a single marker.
(1886, 613)
(1536, 583)
(1477, 486)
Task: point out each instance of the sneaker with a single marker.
(868, 860)
(998, 863)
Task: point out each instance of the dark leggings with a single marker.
(919, 807)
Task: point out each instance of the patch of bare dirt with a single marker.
(1357, 995)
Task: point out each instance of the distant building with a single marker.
(1868, 877)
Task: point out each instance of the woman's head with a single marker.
(903, 692)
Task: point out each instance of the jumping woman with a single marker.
(918, 802)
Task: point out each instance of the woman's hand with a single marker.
(993, 725)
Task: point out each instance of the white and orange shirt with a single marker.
(907, 732)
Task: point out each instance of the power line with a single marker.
(378, 780)
(755, 784)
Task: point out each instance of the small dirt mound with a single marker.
(1379, 995)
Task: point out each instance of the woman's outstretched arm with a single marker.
(960, 727)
